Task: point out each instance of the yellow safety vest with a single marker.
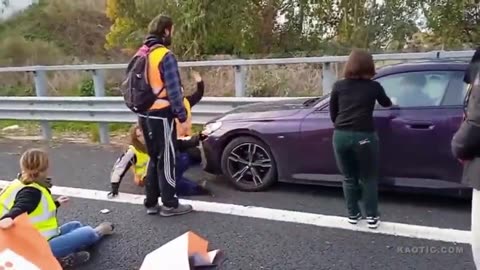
(189, 120)
(140, 168)
(43, 218)
(155, 79)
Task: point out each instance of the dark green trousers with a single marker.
(356, 154)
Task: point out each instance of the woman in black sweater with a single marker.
(355, 140)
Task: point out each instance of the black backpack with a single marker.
(136, 89)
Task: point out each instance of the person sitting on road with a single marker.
(137, 156)
(30, 193)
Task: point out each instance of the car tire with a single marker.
(241, 171)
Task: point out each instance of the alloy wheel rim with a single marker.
(249, 163)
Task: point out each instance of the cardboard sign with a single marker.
(186, 252)
(22, 247)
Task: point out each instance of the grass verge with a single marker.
(87, 130)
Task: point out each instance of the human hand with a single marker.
(6, 223)
(196, 76)
(63, 200)
(183, 127)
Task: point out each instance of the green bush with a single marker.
(87, 88)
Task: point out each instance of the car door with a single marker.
(421, 125)
(316, 142)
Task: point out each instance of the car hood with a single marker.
(265, 110)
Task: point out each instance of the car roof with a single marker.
(443, 65)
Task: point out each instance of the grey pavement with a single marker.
(250, 243)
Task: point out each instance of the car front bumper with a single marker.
(212, 154)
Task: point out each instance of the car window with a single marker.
(417, 89)
(456, 91)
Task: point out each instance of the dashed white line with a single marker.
(328, 221)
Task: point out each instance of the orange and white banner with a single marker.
(23, 247)
(186, 252)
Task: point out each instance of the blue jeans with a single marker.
(185, 186)
(74, 237)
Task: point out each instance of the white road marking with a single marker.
(336, 222)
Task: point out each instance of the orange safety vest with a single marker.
(155, 79)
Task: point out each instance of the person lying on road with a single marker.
(30, 193)
(136, 157)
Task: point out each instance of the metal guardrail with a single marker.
(106, 110)
(97, 70)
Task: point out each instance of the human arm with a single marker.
(472, 67)
(183, 145)
(26, 201)
(382, 97)
(171, 78)
(198, 95)
(194, 98)
(120, 168)
(333, 103)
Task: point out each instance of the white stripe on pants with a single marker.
(476, 227)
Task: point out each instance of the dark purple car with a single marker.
(256, 145)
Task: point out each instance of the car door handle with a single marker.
(419, 125)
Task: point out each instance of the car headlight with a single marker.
(211, 127)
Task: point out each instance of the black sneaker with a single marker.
(373, 222)
(153, 210)
(75, 259)
(180, 210)
(354, 219)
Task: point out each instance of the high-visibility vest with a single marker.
(189, 121)
(43, 218)
(155, 79)
(140, 167)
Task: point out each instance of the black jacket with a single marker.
(466, 141)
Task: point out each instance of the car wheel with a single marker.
(249, 164)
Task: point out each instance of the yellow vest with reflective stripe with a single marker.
(140, 167)
(189, 120)
(43, 218)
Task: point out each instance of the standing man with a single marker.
(158, 123)
(466, 147)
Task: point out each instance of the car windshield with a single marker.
(315, 100)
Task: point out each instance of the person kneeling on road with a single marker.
(136, 157)
(30, 193)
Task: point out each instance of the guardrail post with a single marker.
(40, 79)
(328, 78)
(99, 85)
(240, 76)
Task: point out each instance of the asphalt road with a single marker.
(250, 243)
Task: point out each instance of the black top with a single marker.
(26, 201)
(352, 102)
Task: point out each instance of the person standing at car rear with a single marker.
(159, 121)
(466, 147)
(355, 140)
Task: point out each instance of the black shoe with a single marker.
(373, 222)
(180, 210)
(354, 219)
(153, 210)
(75, 259)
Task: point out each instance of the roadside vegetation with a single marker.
(108, 31)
